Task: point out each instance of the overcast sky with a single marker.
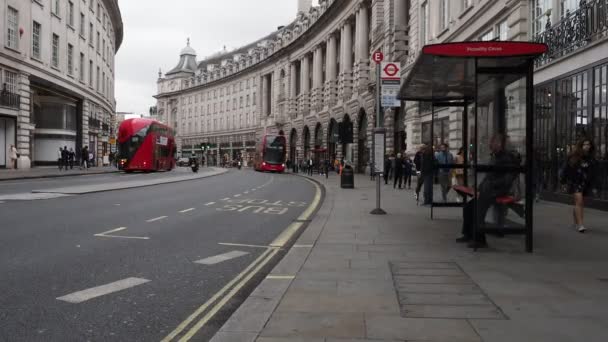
(156, 30)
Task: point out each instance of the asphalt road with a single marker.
(120, 265)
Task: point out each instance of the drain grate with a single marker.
(440, 290)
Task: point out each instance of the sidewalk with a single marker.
(353, 276)
(51, 172)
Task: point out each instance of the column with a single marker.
(260, 97)
(357, 36)
(317, 77)
(346, 64)
(24, 128)
(265, 89)
(330, 83)
(400, 46)
(304, 99)
(292, 90)
(362, 50)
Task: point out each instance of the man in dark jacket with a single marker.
(387, 168)
(407, 172)
(64, 157)
(398, 171)
(496, 183)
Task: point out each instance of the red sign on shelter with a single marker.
(485, 49)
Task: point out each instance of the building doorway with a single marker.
(362, 150)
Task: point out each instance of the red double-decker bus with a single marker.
(145, 145)
(270, 154)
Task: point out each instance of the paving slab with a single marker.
(384, 327)
(315, 324)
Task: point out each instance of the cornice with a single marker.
(116, 17)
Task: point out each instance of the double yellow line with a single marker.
(220, 298)
(215, 303)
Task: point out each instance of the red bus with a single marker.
(145, 145)
(270, 154)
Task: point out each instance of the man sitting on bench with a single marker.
(494, 185)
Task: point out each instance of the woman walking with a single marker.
(578, 178)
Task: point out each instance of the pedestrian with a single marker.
(327, 163)
(578, 177)
(84, 163)
(418, 164)
(60, 158)
(71, 157)
(408, 169)
(387, 168)
(444, 159)
(13, 155)
(427, 168)
(495, 184)
(91, 158)
(459, 171)
(65, 154)
(391, 170)
(310, 166)
(398, 171)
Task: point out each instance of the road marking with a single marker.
(252, 189)
(216, 259)
(186, 210)
(229, 296)
(109, 232)
(246, 192)
(302, 246)
(157, 219)
(117, 204)
(225, 199)
(215, 297)
(242, 245)
(210, 203)
(94, 292)
(288, 233)
(281, 277)
(237, 195)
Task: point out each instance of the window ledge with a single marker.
(55, 68)
(13, 49)
(36, 59)
(71, 27)
(465, 11)
(71, 76)
(443, 32)
(56, 15)
(38, 2)
(82, 37)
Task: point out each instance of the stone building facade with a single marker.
(57, 71)
(305, 79)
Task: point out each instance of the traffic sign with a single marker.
(390, 71)
(378, 57)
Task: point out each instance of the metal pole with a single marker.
(378, 210)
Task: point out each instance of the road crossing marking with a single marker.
(302, 246)
(186, 210)
(157, 219)
(216, 259)
(237, 195)
(94, 292)
(246, 192)
(108, 234)
(210, 203)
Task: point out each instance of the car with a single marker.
(183, 161)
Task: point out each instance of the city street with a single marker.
(144, 264)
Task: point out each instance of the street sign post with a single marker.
(379, 133)
(391, 83)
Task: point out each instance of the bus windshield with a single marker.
(275, 150)
(128, 148)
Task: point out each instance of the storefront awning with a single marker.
(446, 72)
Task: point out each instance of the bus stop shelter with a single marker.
(487, 88)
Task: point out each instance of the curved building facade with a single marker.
(306, 79)
(57, 72)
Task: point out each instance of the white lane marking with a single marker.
(216, 259)
(210, 203)
(225, 199)
(282, 277)
(117, 204)
(186, 210)
(108, 234)
(157, 218)
(302, 246)
(242, 245)
(94, 292)
(252, 189)
(237, 195)
(246, 192)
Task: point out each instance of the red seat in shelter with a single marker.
(505, 200)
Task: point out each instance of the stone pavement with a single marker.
(352, 276)
(51, 172)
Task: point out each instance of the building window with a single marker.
(488, 36)
(36, 28)
(248, 101)
(444, 14)
(540, 10)
(568, 6)
(466, 4)
(502, 30)
(10, 81)
(55, 57)
(241, 102)
(98, 41)
(81, 66)
(103, 82)
(91, 73)
(254, 99)
(424, 23)
(55, 8)
(12, 27)
(233, 103)
(104, 22)
(70, 59)
(90, 33)
(81, 24)
(103, 49)
(98, 11)
(71, 13)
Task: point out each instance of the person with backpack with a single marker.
(408, 169)
(71, 157)
(84, 155)
(444, 157)
(578, 177)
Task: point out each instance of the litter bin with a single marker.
(347, 179)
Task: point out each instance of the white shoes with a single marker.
(580, 228)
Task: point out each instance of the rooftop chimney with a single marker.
(304, 5)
